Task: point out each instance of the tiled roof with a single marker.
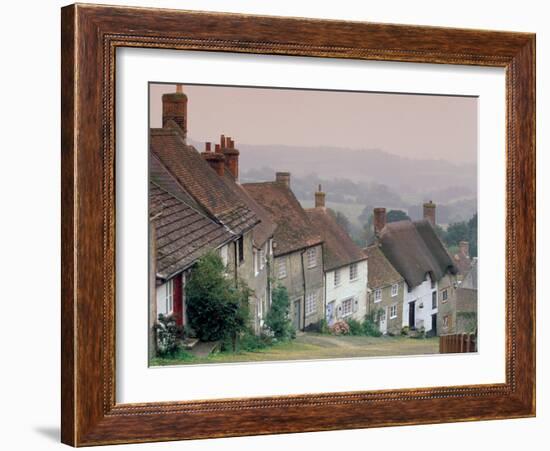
(198, 179)
(381, 273)
(183, 232)
(414, 249)
(293, 231)
(338, 248)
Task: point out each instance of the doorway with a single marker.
(297, 314)
(412, 315)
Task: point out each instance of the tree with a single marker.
(462, 231)
(217, 307)
(341, 219)
(396, 215)
(277, 319)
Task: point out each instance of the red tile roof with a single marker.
(183, 231)
(203, 184)
(338, 248)
(294, 230)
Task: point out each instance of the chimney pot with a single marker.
(379, 220)
(429, 212)
(283, 177)
(174, 108)
(231, 157)
(218, 148)
(320, 198)
(208, 146)
(222, 141)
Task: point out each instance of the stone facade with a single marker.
(446, 298)
(289, 271)
(386, 303)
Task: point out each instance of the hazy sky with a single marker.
(413, 126)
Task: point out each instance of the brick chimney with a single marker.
(231, 157)
(464, 247)
(283, 177)
(429, 212)
(379, 220)
(174, 107)
(216, 160)
(320, 198)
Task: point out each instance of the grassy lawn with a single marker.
(317, 346)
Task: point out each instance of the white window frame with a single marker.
(255, 259)
(262, 257)
(281, 269)
(434, 305)
(394, 290)
(393, 311)
(345, 311)
(337, 278)
(378, 295)
(311, 303)
(444, 296)
(311, 255)
(169, 297)
(353, 272)
(224, 254)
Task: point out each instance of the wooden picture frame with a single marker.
(90, 37)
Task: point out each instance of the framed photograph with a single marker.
(278, 225)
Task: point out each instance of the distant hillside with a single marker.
(369, 165)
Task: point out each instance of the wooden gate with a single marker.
(456, 343)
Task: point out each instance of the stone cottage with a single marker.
(207, 183)
(416, 252)
(344, 265)
(386, 292)
(297, 249)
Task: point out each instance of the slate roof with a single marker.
(414, 249)
(381, 272)
(294, 230)
(204, 185)
(183, 232)
(338, 248)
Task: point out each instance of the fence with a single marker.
(450, 344)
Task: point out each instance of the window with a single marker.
(311, 303)
(393, 311)
(353, 273)
(255, 257)
(240, 249)
(224, 255)
(281, 269)
(434, 299)
(377, 295)
(311, 257)
(446, 321)
(262, 258)
(394, 289)
(347, 307)
(337, 278)
(169, 296)
(444, 295)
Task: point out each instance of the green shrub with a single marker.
(355, 327)
(405, 330)
(277, 319)
(370, 326)
(217, 308)
(323, 327)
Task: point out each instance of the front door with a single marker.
(296, 318)
(412, 315)
(383, 320)
(330, 313)
(434, 324)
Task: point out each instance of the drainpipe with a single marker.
(304, 281)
